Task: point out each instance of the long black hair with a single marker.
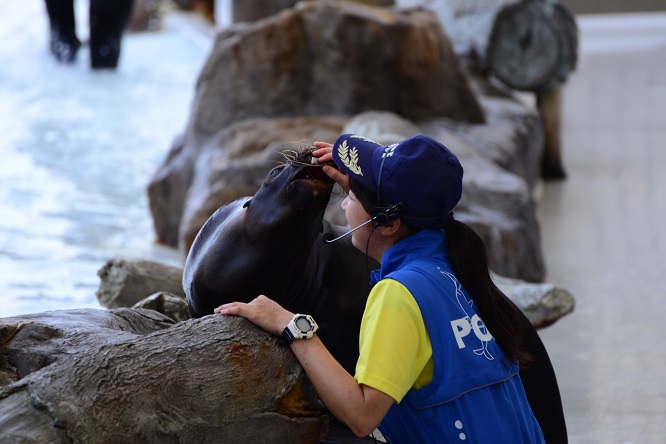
(469, 261)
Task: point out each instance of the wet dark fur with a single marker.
(271, 244)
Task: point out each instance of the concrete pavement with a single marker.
(603, 234)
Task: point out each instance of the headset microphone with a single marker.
(328, 237)
(390, 214)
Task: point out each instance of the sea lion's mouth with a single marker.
(314, 173)
(311, 170)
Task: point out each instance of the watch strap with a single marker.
(287, 335)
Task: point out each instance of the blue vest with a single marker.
(476, 395)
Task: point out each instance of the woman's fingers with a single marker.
(341, 178)
(320, 145)
(323, 152)
(232, 308)
(261, 311)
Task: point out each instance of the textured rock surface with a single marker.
(122, 279)
(332, 58)
(170, 305)
(543, 304)
(124, 377)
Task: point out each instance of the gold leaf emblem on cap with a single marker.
(349, 157)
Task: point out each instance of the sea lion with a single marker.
(272, 244)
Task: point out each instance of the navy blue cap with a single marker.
(418, 172)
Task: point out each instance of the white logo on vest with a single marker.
(464, 326)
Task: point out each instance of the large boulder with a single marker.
(328, 58)
(123, 278)
(334, 65)
(31, 342)
(543, 304)
(127, 375)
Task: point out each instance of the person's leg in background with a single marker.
(108, 20)
(63, 41)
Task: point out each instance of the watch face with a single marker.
(303, 324)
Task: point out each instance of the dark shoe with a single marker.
(105, 53)
(64, 48)
(63, 41)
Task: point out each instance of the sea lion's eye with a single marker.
(275, 171)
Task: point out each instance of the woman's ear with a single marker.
(394, 228)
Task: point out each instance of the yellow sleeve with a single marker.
(395, 350)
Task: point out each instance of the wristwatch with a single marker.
(301, 327)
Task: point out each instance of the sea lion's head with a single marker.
(292, 199)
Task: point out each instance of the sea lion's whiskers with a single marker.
(296, 157)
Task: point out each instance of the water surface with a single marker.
(77, 150)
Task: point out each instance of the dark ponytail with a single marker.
(469, 260)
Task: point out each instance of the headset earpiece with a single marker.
(389, 214)
(382, 219)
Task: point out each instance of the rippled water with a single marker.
(77, 149)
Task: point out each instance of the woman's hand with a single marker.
(324, 153)
(261, 311)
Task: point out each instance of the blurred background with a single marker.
(79, 146)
